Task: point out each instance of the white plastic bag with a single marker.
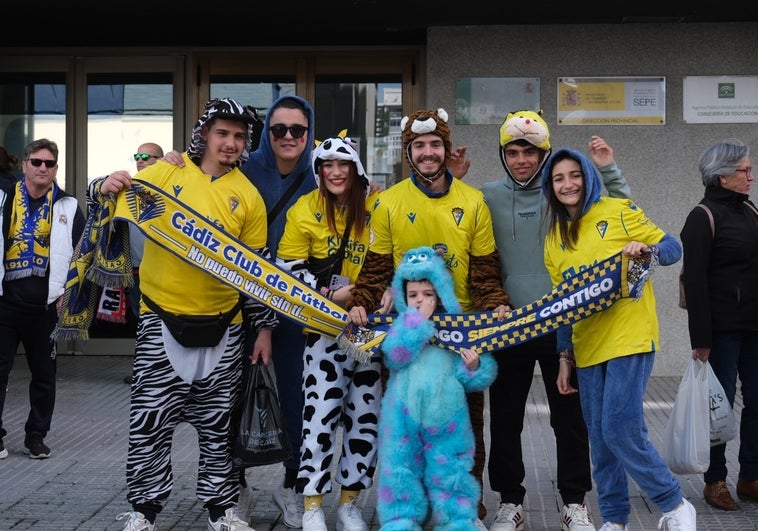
(723, 421)
(686, 441)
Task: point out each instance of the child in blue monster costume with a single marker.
(426, 443)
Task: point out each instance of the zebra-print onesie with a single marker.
(161, 399)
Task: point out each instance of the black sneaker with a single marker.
(3, 451)
(35, 445)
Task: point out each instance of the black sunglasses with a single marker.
(279, 130)
(144, 156)
(39, 162)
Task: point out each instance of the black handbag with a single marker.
(260, 437)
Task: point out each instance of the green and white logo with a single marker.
(726, 90)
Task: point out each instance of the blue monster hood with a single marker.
(423, 263)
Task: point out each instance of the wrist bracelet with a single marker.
(566, 356)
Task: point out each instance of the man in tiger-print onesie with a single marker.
(432, 208)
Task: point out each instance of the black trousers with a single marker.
(508, 397)
(32, 328)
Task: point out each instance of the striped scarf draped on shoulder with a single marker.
(101, 259)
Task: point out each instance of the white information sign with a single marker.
(720, 99)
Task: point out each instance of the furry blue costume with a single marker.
(426, 443)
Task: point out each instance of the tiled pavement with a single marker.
(82, 486)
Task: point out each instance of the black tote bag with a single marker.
(261, 438)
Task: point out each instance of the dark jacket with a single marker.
(721, 272)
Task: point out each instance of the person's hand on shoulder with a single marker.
(174, 158)
(459, 164)
(600, 152)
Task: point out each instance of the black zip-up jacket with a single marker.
(721, 272)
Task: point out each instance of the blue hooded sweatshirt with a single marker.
(263, 172)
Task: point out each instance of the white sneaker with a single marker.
(576, 517)
(610, 526)
(290, 503)
(136, 522)
(479, 525)
(349, 518)
(683, 518)
(229, 522)
(509, 517)
(313, 520)
(244, 507)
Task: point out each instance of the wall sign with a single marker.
(487, 100)
(611, 100)
(720, 99)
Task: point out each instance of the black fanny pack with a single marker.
(195, 330)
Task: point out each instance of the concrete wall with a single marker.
(660, 162)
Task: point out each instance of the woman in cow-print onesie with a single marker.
(337, 389)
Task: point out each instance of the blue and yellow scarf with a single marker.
(100, 259)
(29, 250)
(162, 217)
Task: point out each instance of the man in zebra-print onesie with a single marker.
(198, 384)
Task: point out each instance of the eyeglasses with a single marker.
(144, 156)
(39, 162)
(746, 171)
(280, 130)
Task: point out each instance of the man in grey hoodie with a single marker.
(517, 208)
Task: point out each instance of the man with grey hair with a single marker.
(41, 226)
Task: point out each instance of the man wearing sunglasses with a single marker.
(282, 169)
(147, 155)
(41, 226)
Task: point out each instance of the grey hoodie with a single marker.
(517, 219)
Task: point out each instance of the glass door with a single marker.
(128, 102)
(33, 105)
(370, 110)
(366, 93)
